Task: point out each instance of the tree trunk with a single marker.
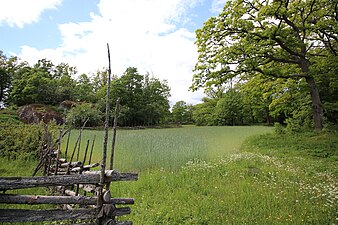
(317, 108)
(1, 93)
(267, 116)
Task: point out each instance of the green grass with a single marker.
(210, 175)
(17, 168)
(138, 150)
(254, 186)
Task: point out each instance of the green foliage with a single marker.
(203, 112)
(256, 97)
(20, 141)
(229, 109)
(300, 121)
(43, 83)
(143, 100)
(182, 113)
(7, 67)
(318, 150)
(279, 128)
(84, 89)
(156, 103)
(242, 40)
(9, 116)
(85, 112)
(328, 87)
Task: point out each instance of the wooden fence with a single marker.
(87, 206)
(77, 190)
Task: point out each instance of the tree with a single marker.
(229, 109)
(179, 112)
(4, 83)
(203, 113)
(7, 69)
(130, 91)
(65, 87)
(257, 94)
(43, 83)
(100, 79)
(31, 85)
(143, 100)
(156, 104)
(284, 39)
(84, 89)
(85, 112)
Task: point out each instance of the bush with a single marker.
(79, 114)
(20, 141)
(9, 115)
(301, 120)
(279, 129)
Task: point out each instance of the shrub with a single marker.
(9, 115)
(20, 141)
(279, 128)
(81, 112)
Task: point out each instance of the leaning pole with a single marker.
(105, 143)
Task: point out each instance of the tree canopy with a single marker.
(143, 99)
(282, 39)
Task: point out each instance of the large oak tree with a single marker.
(278, 38)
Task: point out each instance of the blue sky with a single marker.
(155, 36)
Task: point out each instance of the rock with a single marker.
(34, 113)
(67, 104)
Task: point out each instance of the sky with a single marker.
(155, 36)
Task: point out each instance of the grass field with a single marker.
(290, 179)
(222, 175)
(138, 150)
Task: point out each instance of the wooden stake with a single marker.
(104, 151)
(58, 153)
(91, 150)
(80, 136)
(117, 106)
(67, 145)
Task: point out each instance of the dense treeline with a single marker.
(263, 100)
(144, 99)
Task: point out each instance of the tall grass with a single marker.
(139, 150)
(262, 184)
(210, 175)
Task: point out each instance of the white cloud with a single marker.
(141, 33)
(217, 5)
(18, 12)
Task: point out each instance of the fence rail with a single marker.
(10, 183)
(77, 189)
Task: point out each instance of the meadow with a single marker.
(144, 149)
(221, 175)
